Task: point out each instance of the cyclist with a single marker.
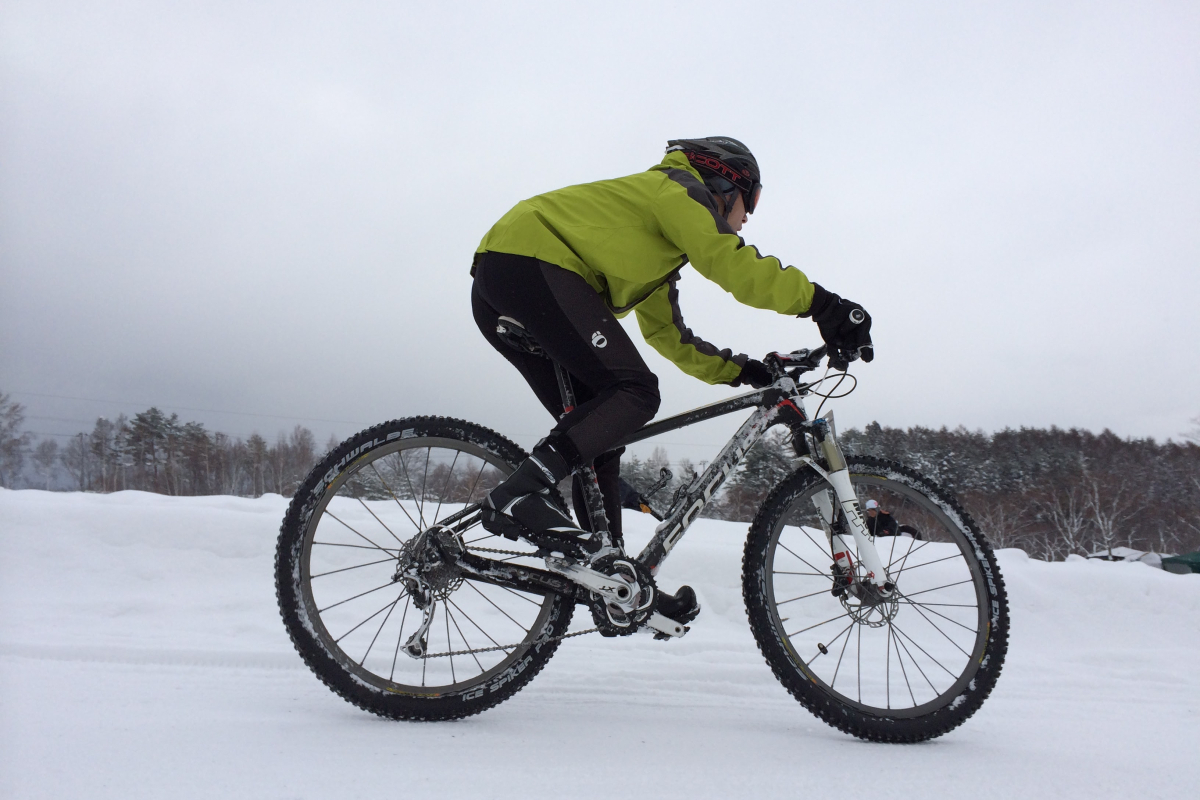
(567, 264)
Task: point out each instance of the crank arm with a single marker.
(612, 588)
(665, 626)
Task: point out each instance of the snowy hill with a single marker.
(141, 655)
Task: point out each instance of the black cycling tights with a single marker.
(616, 393)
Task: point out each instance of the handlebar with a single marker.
(797, 362)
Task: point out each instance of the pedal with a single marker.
(495, 522)
(665, 627)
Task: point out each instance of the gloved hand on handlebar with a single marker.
(845, 326)
(754, 373)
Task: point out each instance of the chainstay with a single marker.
(505, 647)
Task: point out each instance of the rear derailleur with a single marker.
(426, 568)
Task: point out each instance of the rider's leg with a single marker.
(617, 392)
(608, 475)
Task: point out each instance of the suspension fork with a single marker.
(838, 477)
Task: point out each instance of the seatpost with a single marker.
(565, 389)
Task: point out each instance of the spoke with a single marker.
(819, 624)
(900, 642)
(505, 648)
(376, 636)
(377, 519)
(934, 589)
(365, 621)
(446, 614)
(900, 658)
(421, 512)
(399, 637)
(498, 608)
(446, 486)
(832, 641)
(348, 599)
(361, 547)
(806, 563)
(523, 597)
(887, 672)
(356, 533)
(927, 563)
(858, 647)
(408, 478)
(347, 569)
(458, 628)
(917, 608)
(907, 553)
(801, 597)
(842, 655)
(814, 574)
(913, 641)
(904, 599)
(471, 493)
(943, 616)
(816, 544)
(382, 480)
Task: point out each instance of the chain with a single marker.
(505, 647)
(505, 552)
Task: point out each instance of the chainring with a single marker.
(612, 620)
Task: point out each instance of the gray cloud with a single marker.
(272, 208)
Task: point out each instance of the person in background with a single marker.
(880, 522)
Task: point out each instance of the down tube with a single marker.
(671, 530)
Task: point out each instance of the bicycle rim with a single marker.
(903, 657)
(364, 618)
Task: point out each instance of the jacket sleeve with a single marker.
(687, 215)
(662, 325)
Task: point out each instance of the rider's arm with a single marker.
(662, 325)
(686, 213)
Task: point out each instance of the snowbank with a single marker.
(141, 655)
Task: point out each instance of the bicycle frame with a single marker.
(780, 403)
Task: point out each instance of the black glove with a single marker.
(847, 338)
(754, 373)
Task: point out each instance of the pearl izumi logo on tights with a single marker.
(598, 339)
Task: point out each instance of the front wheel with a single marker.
(899, 668)
(346, 607)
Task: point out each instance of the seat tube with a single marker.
(592, 496)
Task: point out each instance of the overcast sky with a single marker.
(270, 208)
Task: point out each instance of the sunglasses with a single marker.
(749, 196)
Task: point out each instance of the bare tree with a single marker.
(45, 459)
(1110, 504)
(1004, 519)
(13, 443)
(1066, 509)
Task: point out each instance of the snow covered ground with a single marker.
(141, 655)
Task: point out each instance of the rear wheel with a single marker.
(902, 668)
(349, 616)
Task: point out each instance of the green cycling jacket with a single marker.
(630, 237)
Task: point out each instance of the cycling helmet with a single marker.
(725, 164)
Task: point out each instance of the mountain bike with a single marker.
(401, 603)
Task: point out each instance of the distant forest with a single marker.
(1049, 492)
(154, 452)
